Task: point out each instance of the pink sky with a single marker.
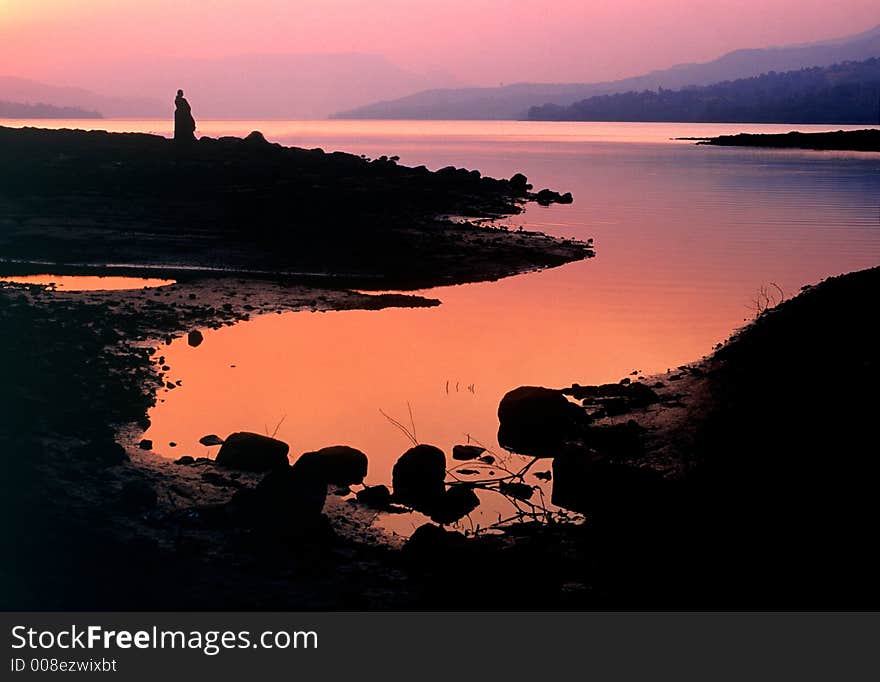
(476, 41)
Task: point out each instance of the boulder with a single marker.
(338, 465)
(455, 503)
(146, 444)
(536, 421)
(285, 503)
(252, 452)
(376, 497)
(211, 439)
(185, 460)
(418, 476)
(430, 542)
(519, 183)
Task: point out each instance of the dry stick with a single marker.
(522, 472)
(400, 426)
(412, 422)
(278, 426)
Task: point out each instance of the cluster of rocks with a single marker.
(534, 421)
(588, 459)
(288, 501)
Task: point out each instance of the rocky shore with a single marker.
(72, 197)
(744, 480)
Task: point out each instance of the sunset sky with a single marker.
(475, 41)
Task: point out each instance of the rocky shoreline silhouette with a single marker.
(867, 140)
(246, 205)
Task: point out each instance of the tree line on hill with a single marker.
(21, 110)
(845, 93)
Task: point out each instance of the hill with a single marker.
(19, 110)
(842, 93)
(514, 101)
(27, 91)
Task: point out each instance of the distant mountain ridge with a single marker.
(26, 91)
(514, 101)
(245, 86)
(40, 110)
(847, 93)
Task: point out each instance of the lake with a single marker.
(684, 235)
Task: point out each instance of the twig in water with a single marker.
(401, 427)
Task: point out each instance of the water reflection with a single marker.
(87, 283)
(685, 236)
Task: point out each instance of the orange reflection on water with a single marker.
(88, 283)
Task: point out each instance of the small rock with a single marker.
(455, 503)
(186, 460)
(195, 338)
(220, 481)
(376, 497)
(519, 491)
(146, 444)
(466, 452)
(211, 439)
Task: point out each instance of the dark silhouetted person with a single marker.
(184, 123)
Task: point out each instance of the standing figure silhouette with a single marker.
(184, 123)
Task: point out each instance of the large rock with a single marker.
(430, 542)
(285, 503)
(536, 421)
(338, 465)
(418, 476)
(252, 452)
(454, 504)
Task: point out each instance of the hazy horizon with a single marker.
(320, 56)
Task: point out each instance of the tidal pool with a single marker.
(87, 282)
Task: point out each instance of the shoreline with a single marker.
(246, 205)
(867, 140)
(654, 474)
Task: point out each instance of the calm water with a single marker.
(685, 235)
(87, 283)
